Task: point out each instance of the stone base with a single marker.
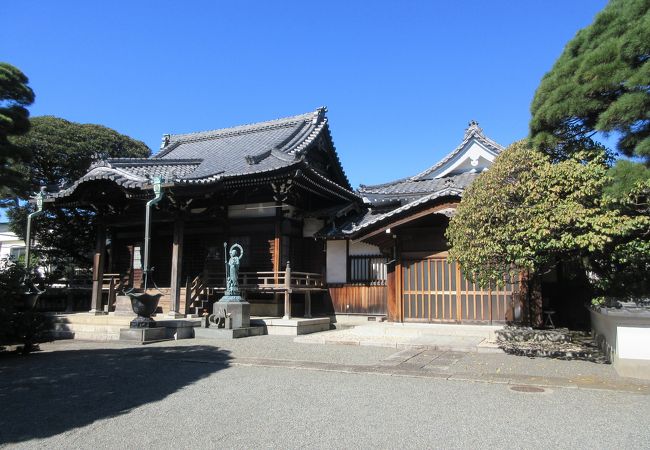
(123, 306)
(267, 307)
(179, 329)
(222, 333)
(143, 322)
(240, 312)
(143, 335)
(231, 298)
(292, 327)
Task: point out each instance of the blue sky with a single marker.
(401, 79)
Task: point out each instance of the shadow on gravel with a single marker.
(50, 393)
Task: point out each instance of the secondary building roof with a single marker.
(448, 178)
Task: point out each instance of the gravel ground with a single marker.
(188, 394)
(272, 347)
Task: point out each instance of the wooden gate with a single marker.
(434, 290)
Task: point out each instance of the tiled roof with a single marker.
(398, 197)
(472, 132)
(425, 182)
(208, 156)
(132, 172)
(374, 217)
(409, 190)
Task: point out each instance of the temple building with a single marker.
(313, 245)
(396, 251)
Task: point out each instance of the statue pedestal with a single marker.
(239, 310)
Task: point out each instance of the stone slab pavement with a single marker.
(402, 336)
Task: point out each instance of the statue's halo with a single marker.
(241, 250)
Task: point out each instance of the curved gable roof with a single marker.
(210, 156)
(254, 148)
(454, 170)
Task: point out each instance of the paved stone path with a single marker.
(367, 336)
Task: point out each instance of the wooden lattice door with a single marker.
(435, 290)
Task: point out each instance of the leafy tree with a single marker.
(18, 324)
(528, 212)
(601, 82)
(62, 152)
(624, 267)
(15, 96)
(627, 177)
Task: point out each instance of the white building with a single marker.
(11, 246)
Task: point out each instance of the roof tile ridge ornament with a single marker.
(473, 127)
(312, 135)
(473, 130)
(96, 163)
(165, 140)
(256, 159)
(166, 150)
(365, 188)
(241, 129)
(129, 175)
(144, 162)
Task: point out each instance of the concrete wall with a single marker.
(337, 261)
(625, 336)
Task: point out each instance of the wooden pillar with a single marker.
(459, 304)
(287, 293)
(391, 298)
(308, 305)
(394, 286)
(277, 250)
(98, 269)
(177, 267)
(277, 242)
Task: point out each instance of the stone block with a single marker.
(222, 333)
(240, 312)
(143, 335)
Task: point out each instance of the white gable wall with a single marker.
(473, 157)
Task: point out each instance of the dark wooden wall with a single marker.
(358, 298)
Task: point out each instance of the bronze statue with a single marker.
(232, 279)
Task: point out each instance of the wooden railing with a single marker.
(205, 287)
(112, 284)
